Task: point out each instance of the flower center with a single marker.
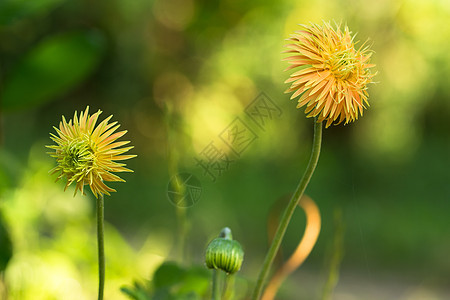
(342, 64)
(77, 156)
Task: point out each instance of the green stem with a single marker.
(101, 248)
(174, 125)
(284, 222)
(229, 287)
(216, 285)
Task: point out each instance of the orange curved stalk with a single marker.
(302, 251)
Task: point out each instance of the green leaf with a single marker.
(173, 282)
(52, 68)
(168, 274)
(12, 11)
(134, 294)
(138, 291)
(195, 281)
(162, 294)
(188, 296)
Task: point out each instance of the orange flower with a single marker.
(86, 154)
(334, 76)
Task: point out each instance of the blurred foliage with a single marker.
(172, 282)
(6, 249)
(54, 238)
(176, 73)
(13, 11)
(51, 68)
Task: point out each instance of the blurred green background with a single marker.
(175, 73)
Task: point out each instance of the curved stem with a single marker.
(101, 249)
(302, 251)
(284, 222)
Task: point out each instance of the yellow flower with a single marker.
(86, 154)
(334, 76)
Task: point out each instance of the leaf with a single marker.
(173, 282)
(189, 296)
(195, 281)
(168, 274)
(134, 294)
(137, 292)
(129, 292)
(52, 68)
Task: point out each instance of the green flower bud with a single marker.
(224, 254)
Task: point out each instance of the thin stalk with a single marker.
(229, 287)
(285, 219)
(216, 285)
(101, 248)
(174, 125)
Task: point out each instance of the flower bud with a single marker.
(224, 253)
